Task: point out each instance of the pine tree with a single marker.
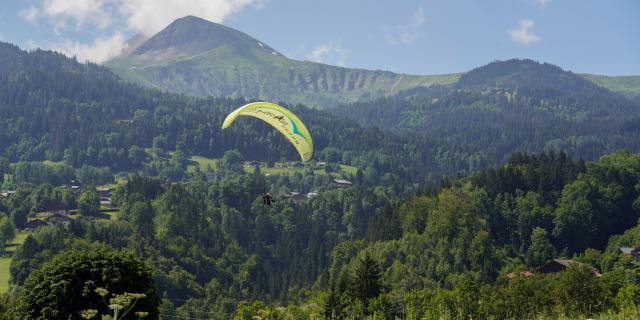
(540, 250)
(366, 281)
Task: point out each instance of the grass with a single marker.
(52, 163)
(7, 256)
(105, 213)
(281, 169)
(201, 162)
(278, 168)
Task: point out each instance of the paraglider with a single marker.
(282, 120)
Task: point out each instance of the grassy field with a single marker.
(278, 168)
(53, 163)
(202, 162)
(5, 259)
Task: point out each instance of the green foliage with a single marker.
(579, 292)
(89, 202)
(628, 297)
(365, 283)
(508, 106)
(541, 250)
(7, 231)
(66, 285)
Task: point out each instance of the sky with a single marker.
(403, 36)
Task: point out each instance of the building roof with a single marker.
(556, 265)
(524, 274)
(342, 181)
(626, 250)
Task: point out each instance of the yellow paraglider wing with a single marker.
(280, 118)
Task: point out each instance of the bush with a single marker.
(65, 286)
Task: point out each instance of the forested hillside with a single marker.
(446, 252)
(511, 105)
(424, 229)
(479, 248)
(53, 108)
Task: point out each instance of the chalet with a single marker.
(312, 195)
(254, 164)
(634, 252)
(105, 203)
(75, 186)
(557, 265)
(297, 197)
(34, 224)
(8, 193)
(58, 220)
(521, 274)
(55, 207)
(340, 183)
(104, 192)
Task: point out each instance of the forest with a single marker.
(432, 227)
(507, 106)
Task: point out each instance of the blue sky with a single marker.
(415, 37)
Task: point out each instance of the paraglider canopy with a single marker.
(280, 118)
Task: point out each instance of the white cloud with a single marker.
(407, 33)
(102, 49)
(150, 16)
(524, 33)
(82, 11)
(30, 14)
(329, 53)
(146, 16)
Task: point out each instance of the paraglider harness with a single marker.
(266, 199)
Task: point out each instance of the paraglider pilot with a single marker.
(266, 198)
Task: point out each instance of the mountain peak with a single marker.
(189, 36)
(528, 75)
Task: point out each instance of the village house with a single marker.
(55, 207)
(340, 183)
(634, 252)
(557, 265)
(104, 192)
(58, 220)
(297, 197)
(521, 274)
(34, 224)
(6, 194)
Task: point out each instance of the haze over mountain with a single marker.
(197, 57)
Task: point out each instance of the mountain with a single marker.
(510, 105)
(54, 108)
(196, 57)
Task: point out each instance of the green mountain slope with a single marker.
(511, 105)
(197, 57)
(626, 85)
